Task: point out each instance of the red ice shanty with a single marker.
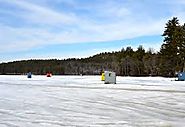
(49, 74)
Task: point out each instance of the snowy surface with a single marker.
(86, 101)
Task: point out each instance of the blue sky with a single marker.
(44, 29)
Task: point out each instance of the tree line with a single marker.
(127, 62)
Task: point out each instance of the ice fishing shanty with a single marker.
(103, 76)
(29, 75)
(49, 74)
(181, 76)
(109, 77)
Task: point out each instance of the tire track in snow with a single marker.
(99, 87)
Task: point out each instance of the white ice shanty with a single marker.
(110, 77)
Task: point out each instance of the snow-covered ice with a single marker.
(86, 101)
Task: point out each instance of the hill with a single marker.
(124, 62)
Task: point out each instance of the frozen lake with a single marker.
(85, 101)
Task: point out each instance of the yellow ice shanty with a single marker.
(103, 76)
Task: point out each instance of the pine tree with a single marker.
(171, 51)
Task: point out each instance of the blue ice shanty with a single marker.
(181, 76)
(29, 75)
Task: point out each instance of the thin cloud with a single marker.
(90, 21)
(39, 14)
